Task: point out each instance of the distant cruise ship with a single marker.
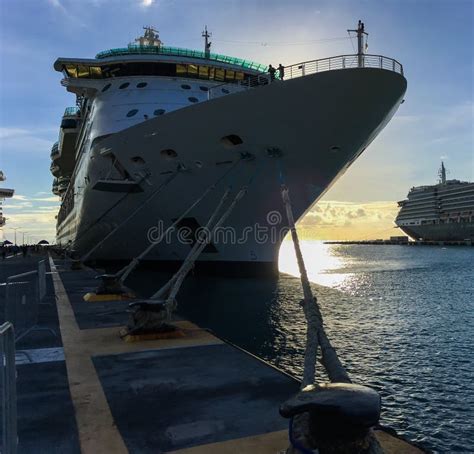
(147, 111)
(442, 212)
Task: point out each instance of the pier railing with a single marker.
(9, 436)
(340, 62)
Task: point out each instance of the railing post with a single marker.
(393, 65)
(344, 62)
(381, 64)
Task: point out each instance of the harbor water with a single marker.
(401, 318)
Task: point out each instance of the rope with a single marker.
(103, 215)
(189, 259)
(315, 334)
(132, 214)
(125, 271)
(187, 266)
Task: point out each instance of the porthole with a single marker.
(186, 87)
(334, 148)
(159, 112)
(203, 88)
(193, 99)
(142, 85)
(198, 164)
(169, 154)
(224, 90)
(137, 160)
(132, 112)
(106, 87)
(125, 85)
(231, 140)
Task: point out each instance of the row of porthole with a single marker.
(125, 85)
(157, 112)
(144, 84)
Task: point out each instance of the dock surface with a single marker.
(84, 389)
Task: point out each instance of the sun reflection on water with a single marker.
(323, 263)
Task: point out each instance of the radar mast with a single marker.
(207, 44)
(442, 173)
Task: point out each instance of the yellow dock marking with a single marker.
(97, 430)
(269, 443)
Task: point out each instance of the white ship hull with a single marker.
(321, 123)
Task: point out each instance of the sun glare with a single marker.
(322, 263)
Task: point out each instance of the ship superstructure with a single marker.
(147, 111)
(441, 212)
(4, 194)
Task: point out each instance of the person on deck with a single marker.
(271, 71)
(281, 71)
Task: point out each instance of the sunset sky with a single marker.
(432, 39)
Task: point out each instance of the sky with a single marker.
(433, 39)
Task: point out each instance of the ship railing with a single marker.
(307, 68)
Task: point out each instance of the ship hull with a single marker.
(303, 132)
(456, 231)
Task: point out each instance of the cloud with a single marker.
(146, 3)
(20, 140)
(338, 220)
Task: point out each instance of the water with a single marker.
(401, 318)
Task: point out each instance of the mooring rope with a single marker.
(190, 258)
(126, 270)
(315, 334)
(133, 213)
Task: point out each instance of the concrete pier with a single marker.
(86, 390)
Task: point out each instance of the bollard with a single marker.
(333, 418)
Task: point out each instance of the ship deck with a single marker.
(86, 390)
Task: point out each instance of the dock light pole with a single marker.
(360, 43)
(15, 229)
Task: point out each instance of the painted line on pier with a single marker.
(95, 424)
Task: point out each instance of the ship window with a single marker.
(229, 75)
(192, 70)
(132, 112)
(193, 99)
(96, 72)
(186, 87)
(169, 153)
(239, 75)
(125, 85)
(212, 72)
(159, 112)
(204, 72)
(203, 88)
(181, 70)
(82, 71)
(231, 140)
(219, 74)
(142, 85)
(71, 70)
(224, 90)
(106, 87)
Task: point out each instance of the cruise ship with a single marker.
(441, 212)
(149, 117)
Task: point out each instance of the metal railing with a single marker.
(9, 435)
(343, 62)
(181, 52)
(302, 69)
(70, 111)
(23, 295)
